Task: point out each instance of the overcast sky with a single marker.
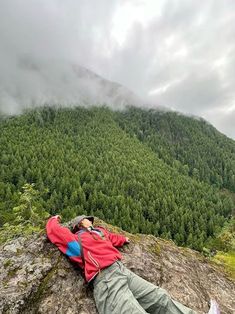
(178, 54)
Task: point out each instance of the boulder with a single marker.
(36, 278)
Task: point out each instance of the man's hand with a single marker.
(127, 240)
(58, 217)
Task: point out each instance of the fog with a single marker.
(59, 82)
(175, 54)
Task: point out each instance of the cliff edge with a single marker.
(36, 278)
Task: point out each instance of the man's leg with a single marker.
(153, 299)
(112, 294)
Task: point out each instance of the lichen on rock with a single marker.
(36, 278)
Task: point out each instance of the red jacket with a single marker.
(98, 252)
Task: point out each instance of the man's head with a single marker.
(82, 222)
(85, 223)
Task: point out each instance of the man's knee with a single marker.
(158, 299)
(163, 303)
(162, 296)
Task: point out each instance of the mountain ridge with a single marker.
(59, 82)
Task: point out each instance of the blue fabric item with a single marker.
(73, 249)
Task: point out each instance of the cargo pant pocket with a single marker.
(102, 297)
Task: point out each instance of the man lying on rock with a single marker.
(116, 288)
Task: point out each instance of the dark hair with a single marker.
(75, 229)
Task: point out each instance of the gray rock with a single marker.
(36, 278)
(13, 247)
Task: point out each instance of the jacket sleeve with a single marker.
(63, 238)
(116, 239)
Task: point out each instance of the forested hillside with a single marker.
(191, 145)
(130, 168)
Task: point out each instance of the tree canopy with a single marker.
(144, 171)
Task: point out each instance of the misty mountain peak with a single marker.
(36, 82)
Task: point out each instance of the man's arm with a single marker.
(62, 237)
(117, 239)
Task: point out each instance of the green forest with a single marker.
(145, 171)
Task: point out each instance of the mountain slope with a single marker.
(191, 145)
(90, 165)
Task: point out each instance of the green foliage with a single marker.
(227, 260)
(225, 239)
(10, 231)
(27, 213)
(101, 162)
(27, 219)
(192, 146)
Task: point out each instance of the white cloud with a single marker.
(179, 54)
(223, 118)
(128, 13)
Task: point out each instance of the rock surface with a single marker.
(36, 278)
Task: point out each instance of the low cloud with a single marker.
(179, 54)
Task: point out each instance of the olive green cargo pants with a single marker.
(119, 290)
